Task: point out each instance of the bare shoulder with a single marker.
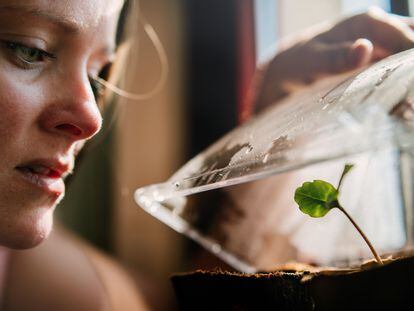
(65, 273)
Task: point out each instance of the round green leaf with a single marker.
(316, 198)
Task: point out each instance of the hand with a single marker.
(348, 45)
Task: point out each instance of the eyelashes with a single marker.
(97, 88)
(27, 57)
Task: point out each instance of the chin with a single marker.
(29, 232)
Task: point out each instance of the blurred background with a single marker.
(213, 47)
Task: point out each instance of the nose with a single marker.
(72, 112)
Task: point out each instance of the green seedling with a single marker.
(318, 197)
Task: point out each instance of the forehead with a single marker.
(76, 14)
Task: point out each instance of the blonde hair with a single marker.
(111, 83)
(130, 19)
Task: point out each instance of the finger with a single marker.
(386, 31)
(389, 32)
(338, 58)
(404, 110)
(360, 53)
(408, 20)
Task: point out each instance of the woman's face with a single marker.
(48, 51)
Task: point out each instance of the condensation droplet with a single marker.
(249, 149)
(215, 248)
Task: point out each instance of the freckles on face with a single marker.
(84, 14)
(19, 103)
(25, 211)
(48, 51)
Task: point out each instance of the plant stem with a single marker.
(340, 181)
(377, 258)
(346, 170)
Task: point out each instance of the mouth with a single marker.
(40, 170)
(47, 175)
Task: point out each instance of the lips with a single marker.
(46, 168)
(39, 170)
(45, 174)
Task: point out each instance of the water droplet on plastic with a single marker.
(249, 149)
(215, 248)
(385, 76)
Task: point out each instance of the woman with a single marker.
(50, 51)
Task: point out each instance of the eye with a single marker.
(27, 56)
(97, 88)
(104, 73)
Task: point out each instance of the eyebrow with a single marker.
(66, 24)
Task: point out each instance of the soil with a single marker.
(301, 287)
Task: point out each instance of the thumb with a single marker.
(360, 53)
(342, 57)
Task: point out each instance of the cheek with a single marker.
(18, 105)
